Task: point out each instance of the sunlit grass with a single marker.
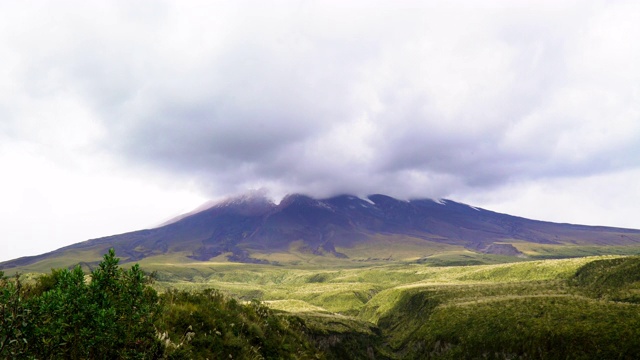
(418, 305)
(368, 291)
(547, 251)
(295, 306)
(386, 248)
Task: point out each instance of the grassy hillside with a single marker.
(585, 307)
(266, 282)
(577, 308)
(380, 250)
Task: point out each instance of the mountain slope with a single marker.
(348, 228)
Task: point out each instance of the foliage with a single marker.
(342, 337)
(550, 309)
(64, 316)
(208, 324)
(115, 314)
(14, 319)
(566, 317)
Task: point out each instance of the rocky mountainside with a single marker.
(241, 228)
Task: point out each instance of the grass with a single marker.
(529, 326)
(465, 257)
(542, 251)
(294, 306)
(72, 257)
(347, 290)
(513, 310)
(383, 248)
(582, 307)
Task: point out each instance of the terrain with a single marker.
(549, 309)
(380, 278)
(342, 231)
(580, 308)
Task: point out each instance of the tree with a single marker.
(127, 309)
(109, 317)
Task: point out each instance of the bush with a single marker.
(14, 319)
(64, 316)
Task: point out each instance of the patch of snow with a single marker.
(368, 200)
(324, 205)
(441, 201)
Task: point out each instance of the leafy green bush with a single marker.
(14, 319)
(63, 316)
(115, 314)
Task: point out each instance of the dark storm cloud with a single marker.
(328, 98)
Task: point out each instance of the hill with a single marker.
(343, 230)
(581, 308)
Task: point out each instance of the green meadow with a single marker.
(586, 307)
(450, 304)
(349, 290)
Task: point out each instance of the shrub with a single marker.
(64, 316)
(14, 319)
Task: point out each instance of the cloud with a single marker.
(115, 115)
(417, 99)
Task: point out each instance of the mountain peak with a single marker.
(302, 200)
(251, 203)
(245, 199)
(252, 228)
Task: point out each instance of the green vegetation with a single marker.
(209, 325)
(579, 308)
(116, 314)
(611, 279)
(545, 327)
(63, 315)
(541, 251)
(530, 309)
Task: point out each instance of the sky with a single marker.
(118, 115)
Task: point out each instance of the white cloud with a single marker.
(106, 106)
(49, 201)
(607, 199)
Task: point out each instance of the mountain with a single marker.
(253, 229)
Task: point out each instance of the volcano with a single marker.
(251, 228)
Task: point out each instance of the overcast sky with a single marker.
(116, 115)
